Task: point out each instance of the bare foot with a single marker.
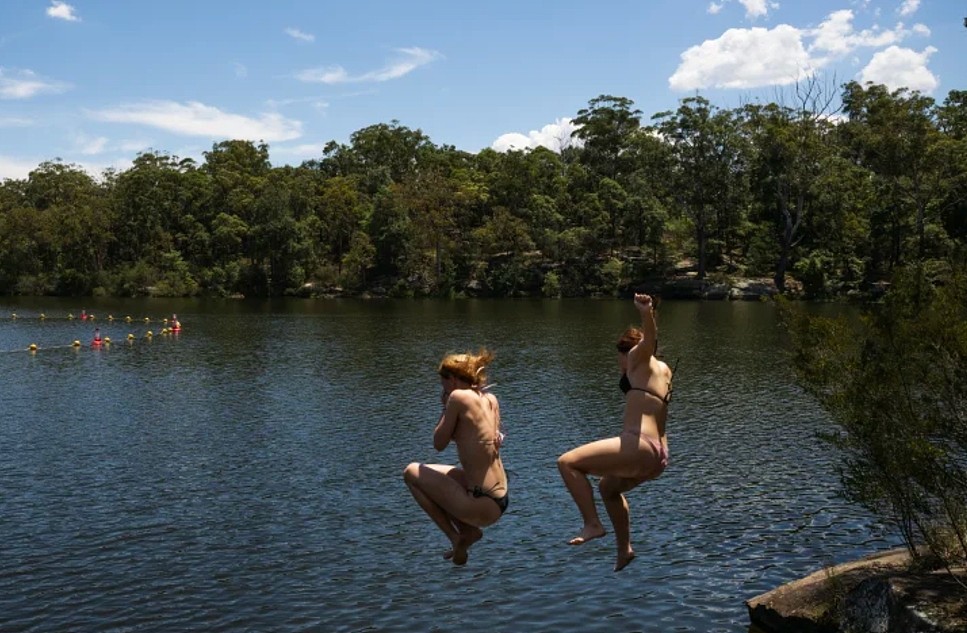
(459, 552)
(588, 533)
(623, 560)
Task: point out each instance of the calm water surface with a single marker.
(246, 474)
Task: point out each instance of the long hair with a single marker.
(471, 368)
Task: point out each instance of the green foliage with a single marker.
(895, 383)
(814, 271)
(758, 190)
(551, 287)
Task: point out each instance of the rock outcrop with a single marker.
(877, 594)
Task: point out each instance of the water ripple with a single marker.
(222, 481)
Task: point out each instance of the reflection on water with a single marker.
(246, 474)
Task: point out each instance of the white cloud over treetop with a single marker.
(408, 60)
(554, 136)
(198, 119)
(898, 67)
(15, 168)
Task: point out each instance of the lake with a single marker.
(245, 474)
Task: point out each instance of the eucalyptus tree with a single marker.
(952, 120)
(607, 129)
(378, 154)
(952, 115)
(530, 185)
(894, 134)
(149, 200)
(793, 148)
(280, 243)
(25, 262)
(238, 171)
(342, 210)
(75, 220)
(430, 203)
(707, 168)
(648, 195)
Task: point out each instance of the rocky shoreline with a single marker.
(678, 287)
(882, 593)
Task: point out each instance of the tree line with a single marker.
(825, 201)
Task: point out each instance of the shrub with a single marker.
(895, 384)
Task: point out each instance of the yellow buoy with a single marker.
(33, 347)
(76, 343)
(13, 316)
(70, 316)
(90, 316)
(147, 320)
(42, 316)
(127, 319)
(110, 317)
(107, 340)
(149, 334)
(130, 337)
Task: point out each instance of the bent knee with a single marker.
(565, 462)
(412, 472)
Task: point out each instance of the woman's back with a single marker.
(476, 437)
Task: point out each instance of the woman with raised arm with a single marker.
(639, 453)
(460, 501)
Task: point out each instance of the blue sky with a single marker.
(95, 82)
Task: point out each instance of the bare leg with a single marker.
(469, 534)
(441, 492)
(580, 488)
(611, 489)
(432, 509)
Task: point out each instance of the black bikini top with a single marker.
(625, 385)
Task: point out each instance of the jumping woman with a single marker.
(639, 453)
(461, 501)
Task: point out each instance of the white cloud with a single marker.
(409, 60)
(198, 119)
(898, 67)
(134, 145)
(554, 136)
(753, 8)
(756, 57)
(305, 151)
(15, 168)
(12, 121)
(62, 11)
(744, 58)
(241, 71)
(25, 84)
(296, 34)
(756, 8)
(909, 7)
(836, 36)
(90, 146)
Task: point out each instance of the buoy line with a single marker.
(170, 328)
